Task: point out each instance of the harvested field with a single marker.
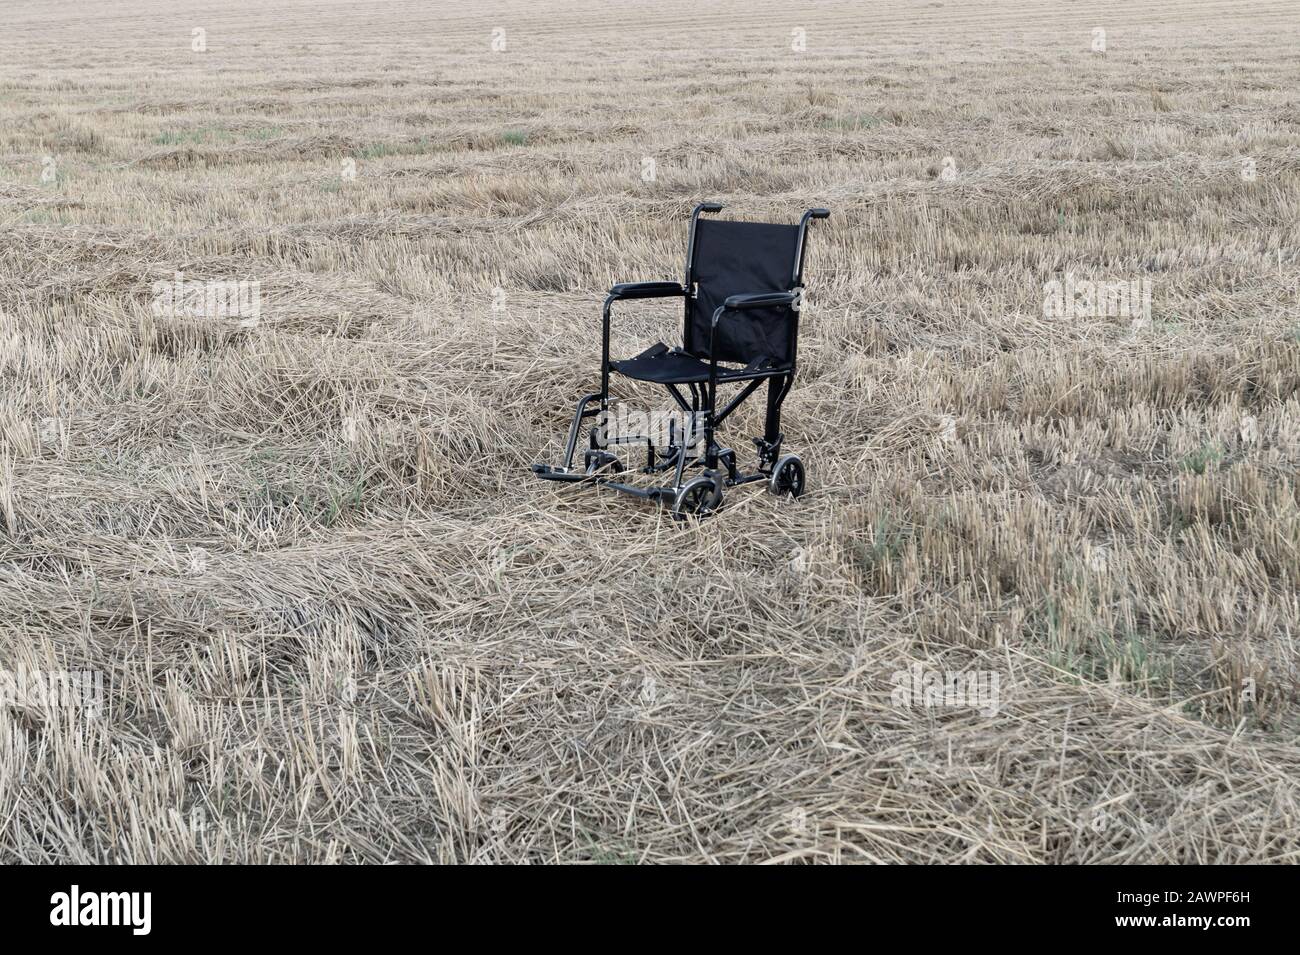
(336, 620)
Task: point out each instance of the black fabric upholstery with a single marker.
(677, 368)
(736, 258)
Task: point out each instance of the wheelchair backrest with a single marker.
(736, 258)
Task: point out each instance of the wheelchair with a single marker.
(744, 283)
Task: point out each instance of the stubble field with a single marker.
(336, 620)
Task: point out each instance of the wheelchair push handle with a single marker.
(818, 213)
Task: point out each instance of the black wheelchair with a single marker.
(744, 282)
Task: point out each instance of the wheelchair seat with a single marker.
(678, 367)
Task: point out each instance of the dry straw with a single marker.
(337, 621)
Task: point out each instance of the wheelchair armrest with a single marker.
(738, 303)
(646, 290)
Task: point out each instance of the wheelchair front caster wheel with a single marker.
(699, 496)
(598, 461)
(787, 477)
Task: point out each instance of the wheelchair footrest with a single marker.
(548, 473)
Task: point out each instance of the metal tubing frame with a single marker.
(579, 413)
(689, 284)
